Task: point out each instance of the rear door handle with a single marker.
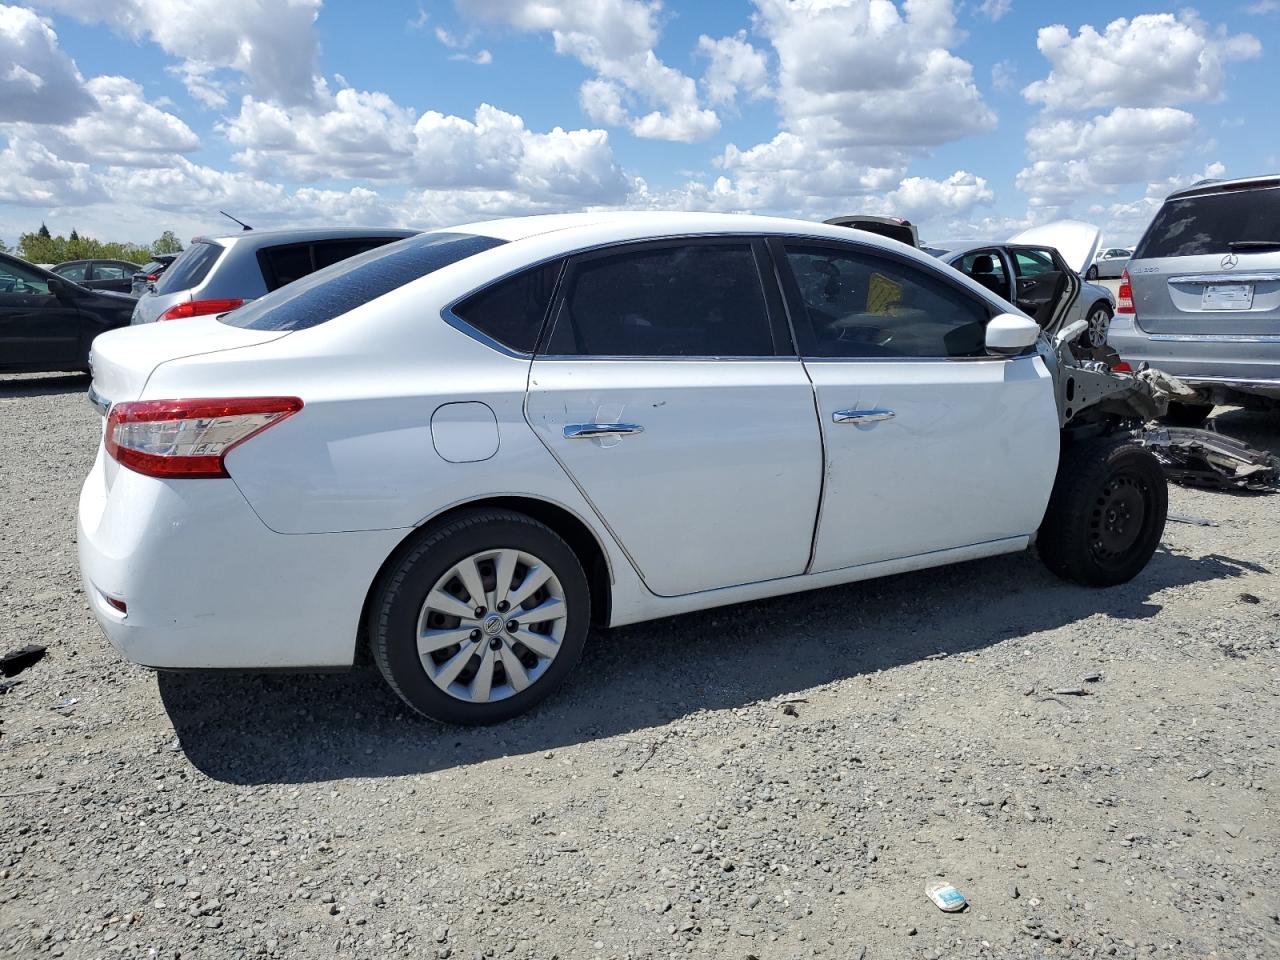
(585, 431)
(862, 416)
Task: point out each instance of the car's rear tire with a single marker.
(446, 627)
(1099, 323)
(1106, 513)
(1092, 273)
(1188, 414)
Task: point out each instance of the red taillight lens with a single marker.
(1121, 366)
(199, 308)
(189, 438)
(152, 277)
(1124, 299)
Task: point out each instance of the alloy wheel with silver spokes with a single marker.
(1099, 322)
(491, 625)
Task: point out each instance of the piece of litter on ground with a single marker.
(946, 897)
(15, 661)
(1201, 773)
(66, 702)
(1188, 518)
(1248, 598)
(1092, 677)
(1072, 692)
(1232, 829)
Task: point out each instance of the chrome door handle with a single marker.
(585, 431)
(862, 416)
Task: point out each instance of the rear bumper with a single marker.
(208, 585)
(1226, 364)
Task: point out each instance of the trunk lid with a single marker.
(1076, 240)
(123, 360)
(1209, 265)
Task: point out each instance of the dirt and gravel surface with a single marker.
(773, 781)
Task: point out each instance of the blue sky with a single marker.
(971, 117)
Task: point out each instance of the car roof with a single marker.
(1207, 187)
(616, 226)
(300, 235)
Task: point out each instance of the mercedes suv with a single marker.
(1201, 295)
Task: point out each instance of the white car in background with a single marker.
(465, 448)
(1040, 271)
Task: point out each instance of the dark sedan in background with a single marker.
(114, 275)
(48, 322)
(150, 272)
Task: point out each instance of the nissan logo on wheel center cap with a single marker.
(493, 625)
(1229, 261)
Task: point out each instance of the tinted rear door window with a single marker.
(335, 290)
(690, 300)
(285, 264)
(1209, 224)
(512, 312)
(190, 268)
(329, 252)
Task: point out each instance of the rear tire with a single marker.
(1106, 513)
(1188, 414)
(508, 661)
(1099, 323)
(1091, 274)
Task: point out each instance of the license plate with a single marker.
(1227, 296)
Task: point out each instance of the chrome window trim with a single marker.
(669, 359)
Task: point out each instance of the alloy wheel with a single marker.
(1099, 321)
(491, 625)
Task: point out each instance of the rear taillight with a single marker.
(1124, 299)
(152, 277)
(189, 438)
(1121, 366)
(199, 308)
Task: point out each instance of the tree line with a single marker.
(41, 246)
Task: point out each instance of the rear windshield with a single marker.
(191, 267)
(333, 291)
(1211, 223)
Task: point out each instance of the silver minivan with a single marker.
(1201, 295)
(217, 274)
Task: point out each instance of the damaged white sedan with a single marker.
(466, 448)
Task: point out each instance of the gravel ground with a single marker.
(772, 781)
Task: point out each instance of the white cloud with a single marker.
(39, 83)
(1262, 8)
(272, 43)
(1151, 60)
(616, 39)
(922, 197)
(736, 67)
(367, 136)
(31, 175)
(995, 9)
(861, 72)
(1078, 158)
(125, 130)
(1004, 75)
(356, 135)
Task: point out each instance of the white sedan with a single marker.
(465, 448)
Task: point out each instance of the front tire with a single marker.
(1106, 513)
(480, 618)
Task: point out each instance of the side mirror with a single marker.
(1010, 334)
(60, 288)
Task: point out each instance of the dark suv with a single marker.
(1201, 295)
